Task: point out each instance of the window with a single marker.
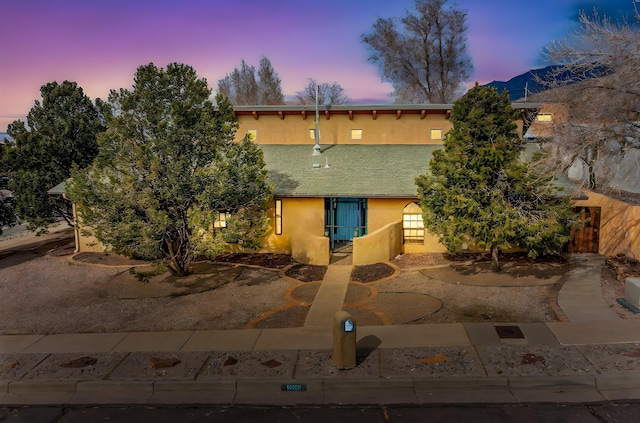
(412, 224)
(253, 134)
(278, 217)
(543, 117)
(436, 134)
(221, 221)
(356, 134)
(312, 134)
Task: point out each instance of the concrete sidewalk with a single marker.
(581, 295)
(577, 361)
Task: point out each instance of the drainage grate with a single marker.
(512, 332)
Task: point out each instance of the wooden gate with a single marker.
(587, 239)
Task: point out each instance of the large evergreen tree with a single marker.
(480, 192)
(61, 132)
(7, 201)
(167, 170)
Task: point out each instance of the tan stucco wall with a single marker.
(619, 225)
(88, 243)
(385, 210)
(559, 115)
(382, 211)
(381, 245)
(311, 250)
(385, 129)
(85, 241)
(303, 230)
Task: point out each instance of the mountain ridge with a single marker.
(520, 86)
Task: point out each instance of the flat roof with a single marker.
(366, 107)
(343, 109)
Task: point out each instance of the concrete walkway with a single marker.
(580, 298)
(591, 358)
(330, 297)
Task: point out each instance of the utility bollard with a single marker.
(344, 340)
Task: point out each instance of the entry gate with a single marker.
(586, 240)
(345, 219)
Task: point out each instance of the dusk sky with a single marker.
(99, 44)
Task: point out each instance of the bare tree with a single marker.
(328, 94)
(598, 83)
(240, 86)
(245, 86)
(424, 55)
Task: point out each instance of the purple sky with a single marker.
(99, 44)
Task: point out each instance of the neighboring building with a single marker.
(610, 225)
(358, 189)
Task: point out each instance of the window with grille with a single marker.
(412, 224)
(278, 217)
(221, 221)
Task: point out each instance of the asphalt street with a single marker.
(583, 413)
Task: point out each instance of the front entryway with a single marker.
(345, 219)
(586, 240)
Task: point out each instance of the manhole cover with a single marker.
(512, 332)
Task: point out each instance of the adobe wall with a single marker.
(381, 245)
(619, 225)
(384, 129)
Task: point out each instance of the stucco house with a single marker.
(358, 187)
(353, 186)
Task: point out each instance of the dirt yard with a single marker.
(44, 289)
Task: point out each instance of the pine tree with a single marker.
(168, 167)
(61, 132)
(480, 192)
(269, 84)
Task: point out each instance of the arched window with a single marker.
(412, 224)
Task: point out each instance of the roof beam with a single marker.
(350, 114)
(281, 114)
(375, 114)
(398, 114)
(304, 115)
(255, 115)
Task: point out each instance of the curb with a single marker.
(537, 389)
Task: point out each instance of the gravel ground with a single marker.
(49, 293)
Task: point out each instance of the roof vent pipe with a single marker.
(316, 132)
